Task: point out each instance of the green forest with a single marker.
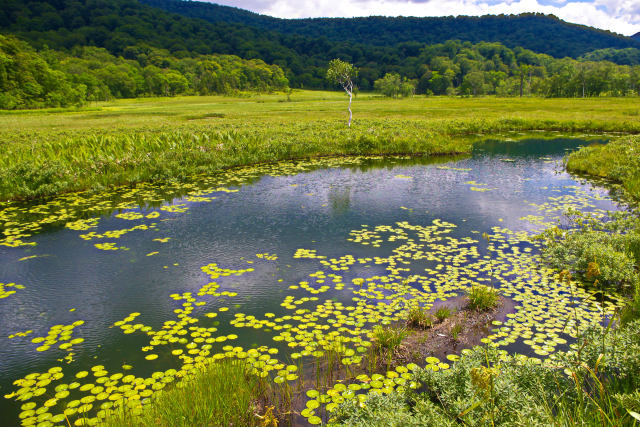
(30, 79)
(60, 53)
(534, 31)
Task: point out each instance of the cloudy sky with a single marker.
(620, 16)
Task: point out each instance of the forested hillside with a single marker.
(119, 25)
(628, 56)
(30, 79)
(100, 49)
(537, 32)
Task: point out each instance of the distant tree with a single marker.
(524, 70)
(392, 85)
(473, 82)
(343, 73)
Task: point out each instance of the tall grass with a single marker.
(482, 298)
(442, 313)
(617, 161)
(45, 154)
(222, 393)
(420, 318)
(389, 338)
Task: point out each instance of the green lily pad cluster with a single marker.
(8, 289)
(91, 394)
(59, 333)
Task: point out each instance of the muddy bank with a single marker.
(464, 328)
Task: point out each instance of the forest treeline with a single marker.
(49, 78)
(117, 25)
(86, 50)
(491, 68)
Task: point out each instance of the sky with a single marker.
(618, 16)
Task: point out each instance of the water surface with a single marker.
(510, 185)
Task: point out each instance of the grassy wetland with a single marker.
(251, 261)
(141, 140)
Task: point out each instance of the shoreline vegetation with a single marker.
(131, 141)
(226, 392)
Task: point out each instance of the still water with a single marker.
(256, 229)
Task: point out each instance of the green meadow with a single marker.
(137, 140)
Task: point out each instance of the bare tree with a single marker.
(343, 73)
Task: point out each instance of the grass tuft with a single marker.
(389, 338)
(222, 394)
(443, 313)
(482, 298)
(419, 318)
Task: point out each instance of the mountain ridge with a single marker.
(538, 32)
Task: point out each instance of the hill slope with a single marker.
(537, 32)
(136, 31)
(628, 56)
(127, 27)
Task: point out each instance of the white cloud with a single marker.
(620, 16)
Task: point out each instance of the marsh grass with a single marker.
(223, 393)
(390, 337)
(131, 141)
(482, 298)
(618, 161)
(455, 331)
(419, 318)
(442, 313)
(387, 339)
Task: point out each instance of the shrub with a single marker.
(595, 255)
(606, 252)
(394, 410)
(595, 385)
(632, 310)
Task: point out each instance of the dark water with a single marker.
(275, 215)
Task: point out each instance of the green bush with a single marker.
(596, 383)
(632, 310)
(393, 410)
(620, 350)
(606, 252)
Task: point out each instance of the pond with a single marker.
(284, 259)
